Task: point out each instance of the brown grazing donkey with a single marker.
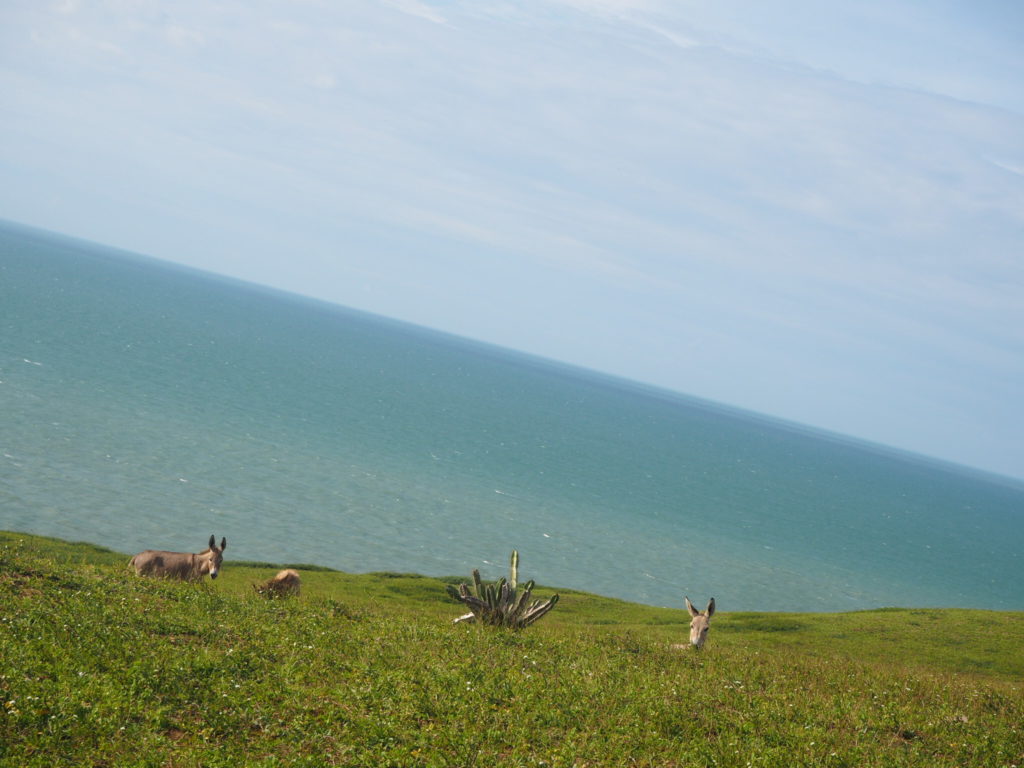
(180, 565)
(285, 583)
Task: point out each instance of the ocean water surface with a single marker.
(148, 405)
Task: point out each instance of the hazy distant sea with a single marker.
(147, 405)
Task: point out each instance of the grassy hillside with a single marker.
(98, 667)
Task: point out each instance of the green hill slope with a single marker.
(99, 667)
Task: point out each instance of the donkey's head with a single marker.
(700, 623)
(209, 561)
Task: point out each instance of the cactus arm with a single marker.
(524, 598)
(539, 609)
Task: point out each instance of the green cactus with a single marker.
(501, 604)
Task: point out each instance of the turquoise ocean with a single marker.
(143, 404)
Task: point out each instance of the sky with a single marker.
(813, 211)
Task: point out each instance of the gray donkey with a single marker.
(180, 565)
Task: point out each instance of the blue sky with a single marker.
(809, 211)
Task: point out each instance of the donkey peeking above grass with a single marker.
(701, 623)
(180, 565)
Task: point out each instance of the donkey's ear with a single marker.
(711, 608)
(689, 606)
(213, 541)
(223, 543)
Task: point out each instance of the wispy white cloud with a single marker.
(1016, 168)
(419, 9)
(183, 36)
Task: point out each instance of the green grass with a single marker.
(101, 668)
